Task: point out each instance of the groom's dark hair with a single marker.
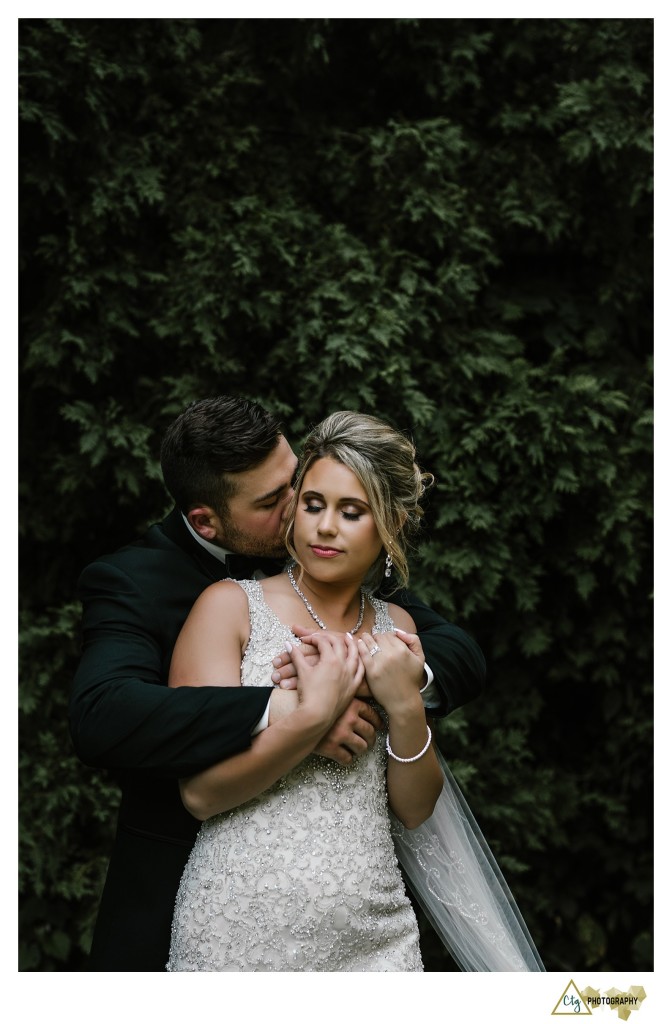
(210, 442)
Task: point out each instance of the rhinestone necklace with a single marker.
(312, 611)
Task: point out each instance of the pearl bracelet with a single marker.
(407, 760)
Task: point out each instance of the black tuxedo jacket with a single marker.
(123, 717)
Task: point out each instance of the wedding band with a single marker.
(374, 650)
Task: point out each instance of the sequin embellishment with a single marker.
(303, 877)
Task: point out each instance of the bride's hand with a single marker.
(284, 670)
(412, 641)
(394, 666)
(327, 687)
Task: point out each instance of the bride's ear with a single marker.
(204, 522)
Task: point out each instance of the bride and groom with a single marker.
(296, 853)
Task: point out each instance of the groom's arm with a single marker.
(122, 714)
(456, 660)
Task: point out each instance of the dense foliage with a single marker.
(446, 223)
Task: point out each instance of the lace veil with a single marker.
(455, 878)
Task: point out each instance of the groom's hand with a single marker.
(352, 734)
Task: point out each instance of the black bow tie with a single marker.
(243, 567)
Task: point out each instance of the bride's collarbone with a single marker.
(291, 611)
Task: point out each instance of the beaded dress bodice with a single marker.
(303, 877)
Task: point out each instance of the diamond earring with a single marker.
(388, 566)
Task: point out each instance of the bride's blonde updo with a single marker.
(383, 460)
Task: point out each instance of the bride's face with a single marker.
(335, 534)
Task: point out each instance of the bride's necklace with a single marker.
(313, 614)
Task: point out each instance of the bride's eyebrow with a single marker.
(341, 501)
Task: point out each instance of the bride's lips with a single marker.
(324, 552)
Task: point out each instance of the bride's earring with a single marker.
(388, 566)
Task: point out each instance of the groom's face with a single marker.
(253, 521)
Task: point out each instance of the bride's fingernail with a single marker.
(289, 647)
(276, 662)
(400, 631)
(275, 676)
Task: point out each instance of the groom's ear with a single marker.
(205, 522)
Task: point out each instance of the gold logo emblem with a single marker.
(571, 1003)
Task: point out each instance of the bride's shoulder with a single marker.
(225, 595)
(401, 618)
(272, 585)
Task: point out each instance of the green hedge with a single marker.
(446, 223)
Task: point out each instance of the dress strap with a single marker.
(265, 626)
(251, 587)
(260, 613)
(383, 623)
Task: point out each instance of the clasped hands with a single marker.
(394, 672)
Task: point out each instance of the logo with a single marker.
(573, 1002)
(570, 1003)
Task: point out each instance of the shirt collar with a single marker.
(214, 549)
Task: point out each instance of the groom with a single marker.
(229, 469)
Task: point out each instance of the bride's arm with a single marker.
(394, 675)
(208, 653)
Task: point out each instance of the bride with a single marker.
(297, 864)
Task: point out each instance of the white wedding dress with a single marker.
(303, 877)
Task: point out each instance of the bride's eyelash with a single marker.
(312, 509)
